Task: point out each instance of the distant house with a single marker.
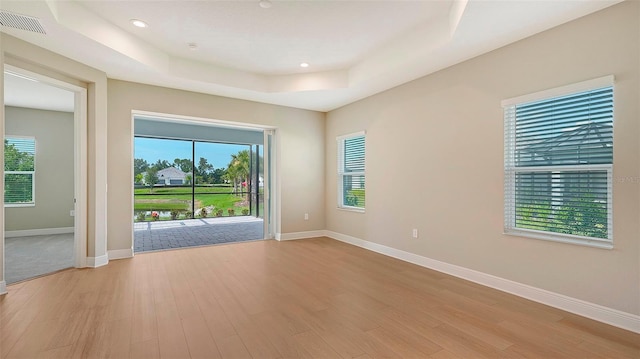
(169, 176)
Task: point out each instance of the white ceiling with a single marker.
(354, 48)
(24, 92)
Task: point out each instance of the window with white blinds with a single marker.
(558, 164)
(351, 171)
(19, 171)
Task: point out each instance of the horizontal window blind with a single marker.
(569, 130)
(351, 171)
(353, 158)
(19, 166)
(18, 188)
(558, 161)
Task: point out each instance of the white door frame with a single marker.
(79, 162)
(269, 183)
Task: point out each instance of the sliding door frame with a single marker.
(269, 181)
(269, 153)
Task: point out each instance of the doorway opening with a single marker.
(43, 167)
(197, 184)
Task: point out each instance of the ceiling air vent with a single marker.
(21, 22)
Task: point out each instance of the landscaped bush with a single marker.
(581, 216)
(188, 215)
(219, 213)
(203, 212)
(174, 214)
(245, 212)
(140, 217)
(231, 212)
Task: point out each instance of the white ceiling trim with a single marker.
(464, 29)
(388, 58)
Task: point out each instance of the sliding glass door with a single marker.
(179, 179)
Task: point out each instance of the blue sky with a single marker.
(152, 150)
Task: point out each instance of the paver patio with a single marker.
(161, 235)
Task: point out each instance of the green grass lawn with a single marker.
(150, 205)
(184, 190)
(218, 201)
(182, 202)
(179, 198)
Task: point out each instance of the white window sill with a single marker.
(351, 209)
(553, 237)
(12, 205)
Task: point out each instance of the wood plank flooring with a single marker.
(315, 298)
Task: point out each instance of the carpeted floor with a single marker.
(28, 257)
(153, 236)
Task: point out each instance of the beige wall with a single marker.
(435, 161)
(53, 132)
(300, 156)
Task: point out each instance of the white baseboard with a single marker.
(81, 262)
(120, 253)
(95, 262)
(299, 235)
(38, 232)
(597, 312)
(3, 287)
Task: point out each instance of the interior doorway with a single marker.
(197, 183)
(44, 168)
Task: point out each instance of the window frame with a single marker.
(341, 174)
(32, 173)
(510, 168)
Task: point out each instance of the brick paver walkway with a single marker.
(153, 236)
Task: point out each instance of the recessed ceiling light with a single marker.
(192, 46)
(265, 4)
(304, 64)
(139, 23)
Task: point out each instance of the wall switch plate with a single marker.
(72, 213)
(306, 216)
(415, 233)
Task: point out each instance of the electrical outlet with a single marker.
(306, 216)
(415, 233)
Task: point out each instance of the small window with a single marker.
(19, 171)
(558, 164)
(351, 171)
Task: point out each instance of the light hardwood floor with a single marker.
(315, 298)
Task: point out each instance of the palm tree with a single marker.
(238, 169)
(230, 175)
